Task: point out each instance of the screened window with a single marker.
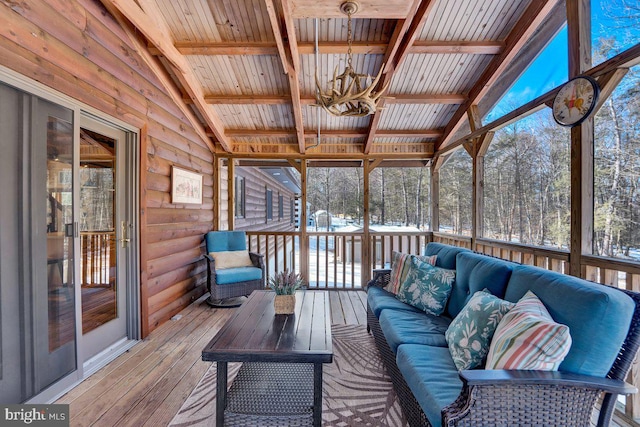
(617, 171)
(527, 183)
(455, 194)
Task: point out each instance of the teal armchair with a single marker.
(232, 271)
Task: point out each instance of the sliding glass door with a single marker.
(68, 248)
(37, 305)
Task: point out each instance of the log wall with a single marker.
(78, 49)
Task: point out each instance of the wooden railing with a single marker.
(334, 259)
(452, 239)
(98, 257)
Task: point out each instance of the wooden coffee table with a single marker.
(256, 334)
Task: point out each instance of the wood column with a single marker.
(216, 193)
(304, 239)
(365, 273)
(579, 29)
(231, 193)
(144, 257)
(435, 196)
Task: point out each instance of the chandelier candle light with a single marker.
(349, 94)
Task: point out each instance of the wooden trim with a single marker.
(144, 257)
(149, 22)
(522, 31)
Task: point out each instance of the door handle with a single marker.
(124, 239)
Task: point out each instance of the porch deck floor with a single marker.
(148, 384)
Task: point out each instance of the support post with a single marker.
(579, 30)
(231, 171)
(435, 198)
(304, 239)
(216, 193)
(365, 274)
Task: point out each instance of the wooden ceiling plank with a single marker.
(522, 30)
(159, 71)
(418, 133)
(404, 30)
(158, 35)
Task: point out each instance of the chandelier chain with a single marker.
(349, 35)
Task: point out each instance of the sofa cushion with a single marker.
(426, 287)
(378, 299)
(400, 266)
(446, 254)
(412, 327)
(239, 274)
(588, 309)
(474, 272)
(231, 259)
(527, 338)
(432, 377)
(469, 334)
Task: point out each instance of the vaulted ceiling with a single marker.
(245, 69)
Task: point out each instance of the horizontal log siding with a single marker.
(256, 183)
(77, 48)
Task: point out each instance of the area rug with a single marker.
(357, 390)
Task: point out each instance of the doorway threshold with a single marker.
(107, 355)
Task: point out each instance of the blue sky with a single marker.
(550, 69)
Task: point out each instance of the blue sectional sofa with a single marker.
(603, 324)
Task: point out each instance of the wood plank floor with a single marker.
(147, 385)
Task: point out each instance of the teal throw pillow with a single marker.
(426, 287)
(469, 334)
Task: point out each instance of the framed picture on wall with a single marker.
(186, 186)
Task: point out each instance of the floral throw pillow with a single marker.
(469, 334)
(527, 338)
(426, 287)
(400, 266)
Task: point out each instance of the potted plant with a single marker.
(285, 285)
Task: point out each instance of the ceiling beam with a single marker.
(162, 75)
(334, 133)
(147, 19)
(277, 33)
(336, 47)
(399, 98)
(456, 47)
(403, 36)
(521, 32)
(293, 64)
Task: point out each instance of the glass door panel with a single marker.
(103, 289)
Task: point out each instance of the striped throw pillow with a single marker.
(400, 266)
(527, 338)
